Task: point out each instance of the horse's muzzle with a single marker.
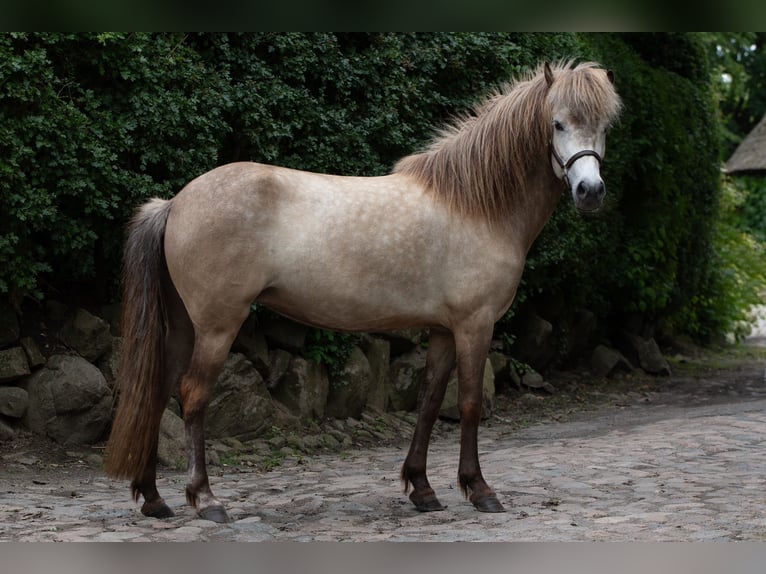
(589, 195)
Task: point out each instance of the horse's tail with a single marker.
(132, 444)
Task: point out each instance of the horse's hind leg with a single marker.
(179, 342)
(210, 352)
(439, 364)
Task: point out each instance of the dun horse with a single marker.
(439, 243)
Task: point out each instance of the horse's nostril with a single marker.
(585, 189)
(601, 189)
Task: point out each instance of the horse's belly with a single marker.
(359, 309)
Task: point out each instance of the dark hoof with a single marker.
(214, 513)
(489, 504)
(427, 504)
(157, 510)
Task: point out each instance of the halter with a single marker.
(566, 165)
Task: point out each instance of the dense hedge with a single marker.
(93, 124)
(666, 162)
(652, 253)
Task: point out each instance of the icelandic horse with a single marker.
(439, 243)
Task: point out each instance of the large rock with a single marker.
(69, 401)
(303, 389)
(87, 334)
(403, 340)
(348, 390)
(378, 352)
(112, 314)
(449, 408)
(9, 324)
(171, 450)
(501, 368)
(406, 374)
(279, 360)
(644, 352)
(34, 356)
(6, 431)
(580, 334)
(605, 361)
(13, 402)
(13, 364)
(109, 363)
(284, 333)
(241, 405)
(536, 343)
(534, 380)
(251, 342)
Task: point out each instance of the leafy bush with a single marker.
(330, 349)
(739, 257)
(651, 252)
(94, 124)
(91, 125)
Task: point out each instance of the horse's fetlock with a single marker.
(191, 497)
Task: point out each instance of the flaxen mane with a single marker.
(479, 163)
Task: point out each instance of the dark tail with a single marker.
(144, 324)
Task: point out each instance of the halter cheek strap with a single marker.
(565, 165)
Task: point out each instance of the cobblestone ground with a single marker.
(688, 469)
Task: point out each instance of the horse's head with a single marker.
(583, 104)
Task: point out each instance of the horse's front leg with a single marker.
(472, 343)
(439, 364)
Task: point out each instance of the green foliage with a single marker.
(330, 349)
(651, 250)
(738, 260)
(739, 77)
(91, 125)
(749, 201)
(668, 165)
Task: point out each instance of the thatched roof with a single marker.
(751, 153)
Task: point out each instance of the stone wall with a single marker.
(58, 370)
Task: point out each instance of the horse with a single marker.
(439, 243)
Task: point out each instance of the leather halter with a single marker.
(568, 164)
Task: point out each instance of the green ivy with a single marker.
(655, 249)
(330, 349)
(91, 125)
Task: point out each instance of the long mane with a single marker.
(480, 163)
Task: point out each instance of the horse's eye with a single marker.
(558, 125)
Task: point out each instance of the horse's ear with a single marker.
(548, 74)
(610, 76)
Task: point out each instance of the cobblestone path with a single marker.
(648, 473)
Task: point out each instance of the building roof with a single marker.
(751, 153)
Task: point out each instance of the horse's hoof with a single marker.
(215, 514)
(428, 504)
(157, 510)
(489, 504)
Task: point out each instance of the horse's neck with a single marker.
(534, 207)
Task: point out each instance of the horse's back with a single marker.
(350, 253)
(313, 246)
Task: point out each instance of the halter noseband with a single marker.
(566, 165)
